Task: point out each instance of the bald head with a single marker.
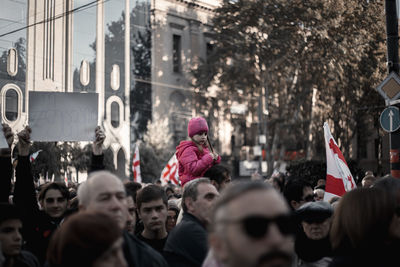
(103, 191)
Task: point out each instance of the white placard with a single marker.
(57, 116)
(3, 141)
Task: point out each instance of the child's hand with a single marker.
(214, 155)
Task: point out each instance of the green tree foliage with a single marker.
(55, 158)
(284, 50)
(312, 170)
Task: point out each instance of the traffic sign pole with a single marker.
(393, 66)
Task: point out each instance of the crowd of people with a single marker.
(211, 221)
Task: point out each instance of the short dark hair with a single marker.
(190, 190)
(150, 193)
(217, 173)
(293, 189)
(9, 212)
(56, 186)
(132, 188)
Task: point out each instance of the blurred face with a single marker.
(200, 138)
(254, 230)
(171, 220)
(319, 194)
(201, 208)
(108, 195)
(130, 225)
(54, 204)
(113, 257)
(316, 230)
(308, 196)
(153, 215)
(10, 237)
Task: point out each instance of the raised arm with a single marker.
(5, 164)
(24, 193)
(97, 146)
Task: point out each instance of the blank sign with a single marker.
(62, 116)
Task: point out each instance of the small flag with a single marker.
(338, 176)
(65, 178)
(170, 172)
(136, 166)
(34, 155)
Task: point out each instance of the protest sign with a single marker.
(57, 116)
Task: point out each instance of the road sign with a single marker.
(390, 87)
(390, 119)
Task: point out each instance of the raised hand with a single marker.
(99, 140)
(24, 141)
(8, 134)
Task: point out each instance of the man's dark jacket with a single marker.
(187, 243)
(138, 253)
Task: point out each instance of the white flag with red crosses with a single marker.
(338, 176)
(136, 165)
(170, 172)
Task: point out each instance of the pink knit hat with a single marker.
(197, 125)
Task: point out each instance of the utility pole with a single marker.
(392, 42)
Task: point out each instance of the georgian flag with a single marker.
(136, 165)
(33, 156)
(338, 176)
(170, 172)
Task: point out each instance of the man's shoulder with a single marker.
(141, 253)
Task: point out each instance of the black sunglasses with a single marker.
(257, 226)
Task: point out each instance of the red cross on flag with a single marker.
(170, 172)
(338, 176)
(136, 165)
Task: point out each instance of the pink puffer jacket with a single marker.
(193, 163)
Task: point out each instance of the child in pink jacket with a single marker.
(194, 155)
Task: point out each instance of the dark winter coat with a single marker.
(138, 253)
(187, 245)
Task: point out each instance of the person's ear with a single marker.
(189, 204)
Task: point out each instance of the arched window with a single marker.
(11, 105)
(121, 163)
(115, 114)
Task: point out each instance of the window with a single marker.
(176, 52)
(115, 114)
(11, 105)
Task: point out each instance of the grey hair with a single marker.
(190, 190)
(84, 190)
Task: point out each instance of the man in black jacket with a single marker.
(187, 243)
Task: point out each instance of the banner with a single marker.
(136, 165)
(338, 176)
(170, 172)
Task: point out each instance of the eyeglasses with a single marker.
(257, 227)
(308, 198)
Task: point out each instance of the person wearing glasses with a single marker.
(297, 191)
(312, 246)
(252, 226)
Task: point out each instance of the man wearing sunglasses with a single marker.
(252, 226)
